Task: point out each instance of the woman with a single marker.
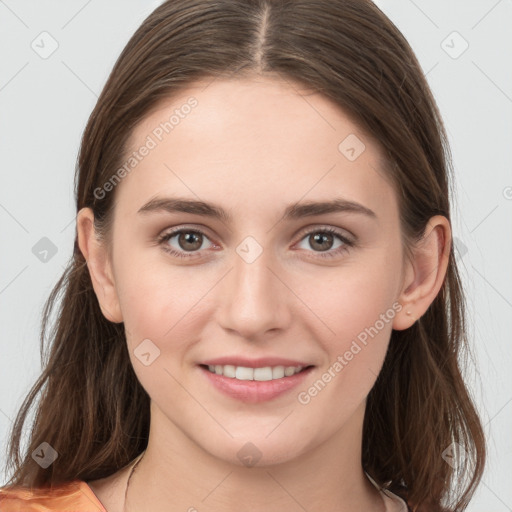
(263, 309)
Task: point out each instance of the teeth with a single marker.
(229, 371)
(242, 373)
(289, 371)
(260, 374)
(278, 372)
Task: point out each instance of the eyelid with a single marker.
(188, 227)
(344, 233)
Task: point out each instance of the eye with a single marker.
(190, 241)
(187, 241)
(323, 240)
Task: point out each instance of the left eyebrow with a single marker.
(292, 212)
(311, 208)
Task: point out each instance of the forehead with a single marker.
(251, 141)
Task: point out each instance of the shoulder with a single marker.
(75, 496)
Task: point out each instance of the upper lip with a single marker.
(260, 362)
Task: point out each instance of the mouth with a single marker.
(254, 385)
(260, 374)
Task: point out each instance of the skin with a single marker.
(255, 146)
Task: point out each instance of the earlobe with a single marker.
(99, 266)
(425, 273)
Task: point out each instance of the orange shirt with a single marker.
(74, 496)
(77, 496)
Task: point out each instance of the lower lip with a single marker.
(254, 391)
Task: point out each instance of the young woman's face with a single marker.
(256, 272)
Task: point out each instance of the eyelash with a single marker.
(327, 254)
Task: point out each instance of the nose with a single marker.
(254, 298)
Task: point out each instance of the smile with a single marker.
(254, 385)
(260, 374)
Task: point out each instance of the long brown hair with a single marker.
(92, 409)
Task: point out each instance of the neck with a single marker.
(175, 474)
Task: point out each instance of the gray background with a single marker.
(45, 103)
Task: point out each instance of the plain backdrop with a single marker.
(48, 89)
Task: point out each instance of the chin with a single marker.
(257, 451)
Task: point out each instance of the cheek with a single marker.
(358, 305)
(160, 301)
(362, 327)
(144, 298)
(354, 299)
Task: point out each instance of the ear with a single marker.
(98, 262)
(425, 272)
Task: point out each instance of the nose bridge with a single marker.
(252, 297)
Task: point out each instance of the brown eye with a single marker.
(324, 241)
(186, 241)
(321, 241)
(190, 240)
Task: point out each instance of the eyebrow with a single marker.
(292, 212)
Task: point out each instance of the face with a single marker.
(262, 285)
